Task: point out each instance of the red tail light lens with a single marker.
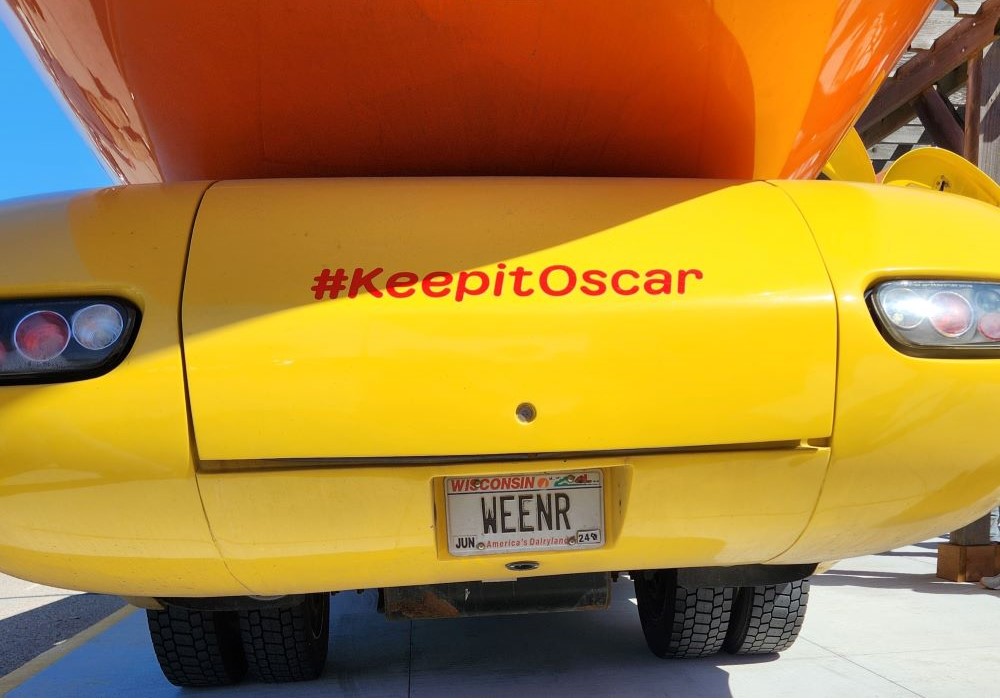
(41, 336)
(989, 326)
(950, 314)
(59, 340)
(939, 318)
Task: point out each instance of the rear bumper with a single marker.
(295, 531)
(371, 526)
(336, 529)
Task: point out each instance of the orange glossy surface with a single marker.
(187, 89)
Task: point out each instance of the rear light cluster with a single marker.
(63, 340)
(933, 318)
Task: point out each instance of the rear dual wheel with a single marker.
(287, 644)
(678, 622)
(197, 648)
(767, 619)
(684, 623)
(200, 648)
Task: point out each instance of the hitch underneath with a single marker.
(478, 598)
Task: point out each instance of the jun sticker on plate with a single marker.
(525, 512)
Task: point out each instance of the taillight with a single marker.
(59, 340)
(97, 326)
(989, 326)
(939, 318)
(950, 314)
(41, 336)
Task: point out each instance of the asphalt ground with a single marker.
(36, 618)
(877, 626)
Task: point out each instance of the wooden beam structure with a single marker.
(972, 95)
(896, 102)
(938, 118)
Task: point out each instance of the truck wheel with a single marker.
(767, 619)
(197, 648)
(287, 644)
(678, 622)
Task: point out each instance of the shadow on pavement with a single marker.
(28, 634)
(921, 583)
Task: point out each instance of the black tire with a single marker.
(767, 619)
(197, 648)
(287, 644)
(681, 623)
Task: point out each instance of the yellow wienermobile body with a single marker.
(546, 293)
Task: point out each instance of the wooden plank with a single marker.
(966, 563)
(892, 127)
(883, 151)
(908, 134)
(965, 8)
(939, 22)
(970, 147)
(975, 533)
(881, 130)
(968, 8)
(924, 69)
(989, 113)
(950, 104)
(953, 82)
(907, 55)
(936, 115)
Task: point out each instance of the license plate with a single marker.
(525, 512)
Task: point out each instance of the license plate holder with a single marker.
(511, 513)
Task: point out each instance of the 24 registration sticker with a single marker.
(525, 512)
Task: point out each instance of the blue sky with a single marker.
(40, 148)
